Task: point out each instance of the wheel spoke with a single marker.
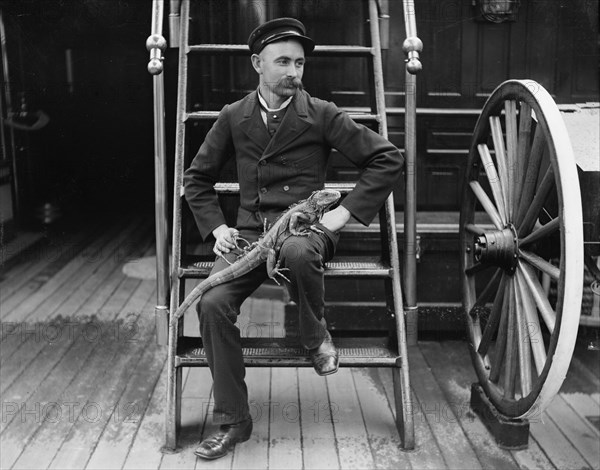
(536, 205)
(486, 293)
(529, 182)
(494, 318)
(539, 296)
(523, 342)
(501, 338)
(533, 325)
(494, 180)
(510, 366)
(476, 268)
(523, 149)
(540, 263)
(510, 111)
(498, 139)
(541, 232)
(487, 204)
(474, 229)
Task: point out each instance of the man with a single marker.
(280, 138)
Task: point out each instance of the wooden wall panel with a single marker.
(464, 59)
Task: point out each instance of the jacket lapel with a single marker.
(252, 123)
(295, 122)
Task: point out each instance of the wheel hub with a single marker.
(498, 247)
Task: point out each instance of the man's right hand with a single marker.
(225, 239)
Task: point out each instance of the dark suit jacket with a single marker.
(276, 172)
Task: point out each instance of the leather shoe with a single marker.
(325, 357)
(217, 445)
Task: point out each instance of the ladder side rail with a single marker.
(173, 413)
(404, 415)
(156, 44)
(174, 32)
(411, 47)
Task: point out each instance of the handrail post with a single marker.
(156, 44)
(412, 46)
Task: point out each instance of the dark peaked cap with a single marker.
(276, 30)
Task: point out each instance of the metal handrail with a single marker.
(156, 44)
(412, 46)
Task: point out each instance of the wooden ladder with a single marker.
(390, 351)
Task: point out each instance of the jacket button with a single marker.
(263, 190)
(286, 188)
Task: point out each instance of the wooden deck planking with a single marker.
(441, 415)
(104, 271)
(559, 450)
(452, 361)
(20, 305)
(48, 437)
(198, 388)
(533, 456)
(144, 452)
(115, 442)
(39, 371)
(285, 434)
(576, 430)
(458, 402)
(585, 406)
(193, 415)
(344, 410)
(114, 375)
(455, 380)
(18, 433)
(363, 433)
(39, 262)
(82, 282)
(319, 445)
(378, 417)
(11, 340)
(24, 354)
(426, 453)
(255, 452)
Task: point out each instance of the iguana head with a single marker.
(324, 199)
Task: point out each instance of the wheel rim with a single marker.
(522, 262)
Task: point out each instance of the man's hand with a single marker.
(225, 239)
(336, 219)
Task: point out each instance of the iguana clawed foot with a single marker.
(314, 228)
(277, 271)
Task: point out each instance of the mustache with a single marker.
(290, 82)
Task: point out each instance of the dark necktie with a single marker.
(273, 120)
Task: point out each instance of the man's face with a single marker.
(280, 66)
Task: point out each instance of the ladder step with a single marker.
(287, 352)
(213, 115)
(242, 49)
(234, 188)
(347, 266)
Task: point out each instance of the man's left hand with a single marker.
(336, 219)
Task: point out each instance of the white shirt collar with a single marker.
(265, 106)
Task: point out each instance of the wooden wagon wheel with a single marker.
(521, 249)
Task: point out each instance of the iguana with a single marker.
(296, 220)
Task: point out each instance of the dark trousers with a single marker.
(219, 308)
